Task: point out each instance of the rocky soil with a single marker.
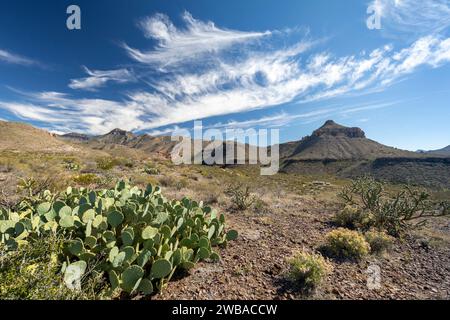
(254, 266)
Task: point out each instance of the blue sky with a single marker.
(155, 66)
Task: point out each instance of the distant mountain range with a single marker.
(332, 149)
(442, 152)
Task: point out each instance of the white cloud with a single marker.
(419, 17)
(181, 45)
(13, 58)
(97, 78)
(64, 113)
(262, 80)
(163, 132)
(256, 78)
(273, 78)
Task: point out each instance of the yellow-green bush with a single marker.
(150, 169)
(86, 179)
(107, 163)
(379, 241)
(308, 269)
(352, 217)
(346, 243)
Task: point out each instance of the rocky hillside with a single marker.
(346, 152)
(23, 137)
(336, 142)
(440, 152)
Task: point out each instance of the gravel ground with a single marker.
(254, 266)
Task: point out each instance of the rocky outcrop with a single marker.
(331, 128)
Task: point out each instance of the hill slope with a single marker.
(346, 152)
(24, 137)
(441, 152)
(335, 142)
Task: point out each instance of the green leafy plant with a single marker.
(345, 243)
(308, 270)
(138, 237)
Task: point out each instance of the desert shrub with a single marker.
(308, 270)
(6, 166)
(128, 163)
(86, 179)
(107, 163)
(260, 206)
(210, 198)
(379, 241)
(181, 184)
(71, 164)
(33, 272)
(151, 170)
(166, 181)
(345, 243)
(241, 197)
(352, 217)
(395, 214)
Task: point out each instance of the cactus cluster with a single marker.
(139, 237)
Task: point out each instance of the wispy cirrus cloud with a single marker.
(13, 58)
(261, 76)
(270, 78)
(179, 45)
(416, 17)
(98, 78)
(64, 113)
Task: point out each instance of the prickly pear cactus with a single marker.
(139, 236)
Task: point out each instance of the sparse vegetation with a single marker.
(345, 243)
(71, 164)
(151, 170)
(241, 197)
(308, 270)
(352, 217)
(33, 272)
(379, 241)
(395, 214)
(107, 163)
(292, 209)
(86, 179)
